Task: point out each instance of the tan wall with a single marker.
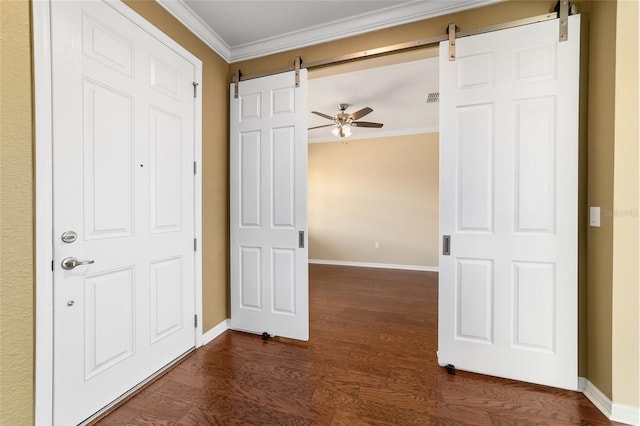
(600, 192)
(16, 213)
(215, 154)
(612, 249)
(368, 190)
(625, 354)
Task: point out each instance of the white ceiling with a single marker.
(395, 86)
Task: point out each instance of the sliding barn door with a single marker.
(269, 255)
(508, 204)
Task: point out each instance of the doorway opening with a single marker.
(373, 197)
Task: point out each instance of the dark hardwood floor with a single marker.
(370, 361)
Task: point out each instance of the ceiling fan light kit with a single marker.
(343, 121)
(343, 131)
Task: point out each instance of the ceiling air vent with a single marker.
(433, 97)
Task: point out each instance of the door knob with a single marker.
(72, 262)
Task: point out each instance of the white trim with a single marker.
(625, 414)
(615, 412)
(197, 199)
(599, 399)
(41, 21)
(582, 384)
(371, 134)
(215, 332)
(375, 265)
(197, 26)
(43, 213)
(383, 18)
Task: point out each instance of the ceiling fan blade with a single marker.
(317, 127)
(361, 113)
(366, 124)
(323, 115)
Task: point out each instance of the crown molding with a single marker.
(327, 137)
(383, 18)
(197, 26)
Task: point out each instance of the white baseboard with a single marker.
(615, 412)
(582, 384)
(375, 265)
(625, 414)
(215, 332)
(599, 399)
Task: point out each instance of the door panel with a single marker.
(109, 320)
(535, 165)
(534, 316)
(108, 173)
(476, 168)
(166, 167)
(475, 299)
(269, 270)
(508, 200)
(123, 152)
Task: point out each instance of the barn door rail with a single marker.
(561, 12)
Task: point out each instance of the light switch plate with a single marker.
(594, 217)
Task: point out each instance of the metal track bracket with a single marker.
(297, 64)
(451, 31)
(236, 82)
(563, 15)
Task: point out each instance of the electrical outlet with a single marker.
(594, 217)
(377, 245)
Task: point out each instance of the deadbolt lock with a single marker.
(69, 237)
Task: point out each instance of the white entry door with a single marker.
(508, 202)
(269, 255)
(123, 185)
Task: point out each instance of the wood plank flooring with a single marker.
(370, 360)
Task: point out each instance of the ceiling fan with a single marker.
(343, 121)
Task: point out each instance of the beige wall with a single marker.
(612, 249)
(625, 319)
(215, 181)
(368, 190)
(16, 213)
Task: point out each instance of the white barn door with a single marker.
(508, 203)
(269, 254)
(123, 186)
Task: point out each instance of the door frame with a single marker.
(43, 214)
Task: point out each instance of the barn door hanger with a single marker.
(563, 9)
(451, 32)
(237, 76)
(236, 81)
